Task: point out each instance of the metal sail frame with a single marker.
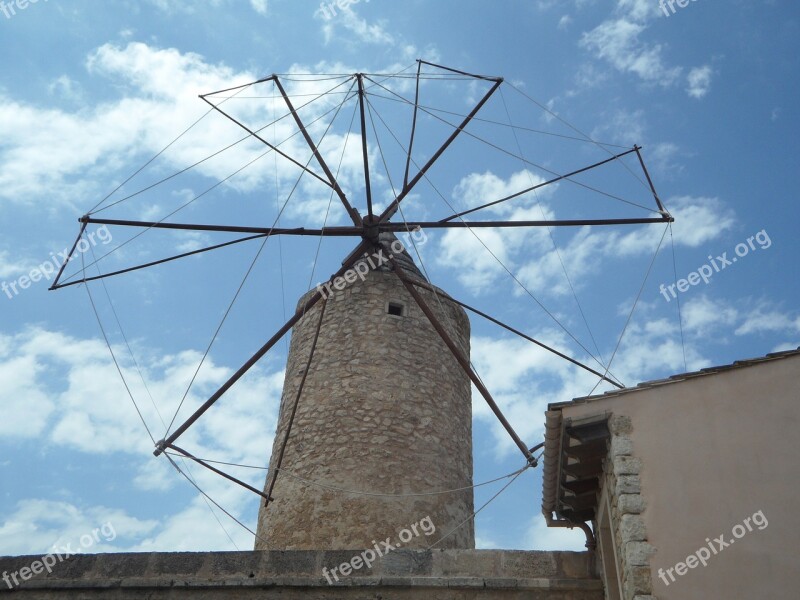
(368, 228)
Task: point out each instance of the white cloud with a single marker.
(475, 256)
(638, 10)
(260, 6)
(37, 525)
(470, 253)
(786, 346)
(66, 392)
(159, 89)
(10, 268)
(764, 319)
(701, 315)
(91, 142)
(179, 6)
(699, 220)
(484, 543)
(704, 316)
(26, 405)
(333, 16)
(617, 41)
(623, 127)
(699, 80)
(621, 41)
(542, 537)
(90, 411)
(66, 88)
(663, 157)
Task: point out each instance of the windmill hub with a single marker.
(371, 229)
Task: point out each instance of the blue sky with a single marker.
(91, 91)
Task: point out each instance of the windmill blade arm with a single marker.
(410, 225)
(461, 359)
(524, 336)
(269, 231)
(353, 213)
(541, 185)
(392, 208)
(316, 297)
(58, 285)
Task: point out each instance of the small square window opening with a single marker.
(396, 309)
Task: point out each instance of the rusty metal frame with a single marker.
(315, 151)
(276, 468)
(462, 360)
(274, 79)
(407, 187)
(368, 229)
(316, 297)
(200, 461)
(542, 345)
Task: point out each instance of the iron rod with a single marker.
(259, 138)
(333, 183)
(390, 210)
(276, 468)
(462, 360)
(484, 77)
(327, 231)
(159, 262)
(238, 87)
(253, 359)
(383, 227)
(413, 126)
(537, 186)
(538, 343)
(649, 181)
(200, 461)
(69, 256)
(546, 223)
(367, 185)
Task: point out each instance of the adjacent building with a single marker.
(689, 483)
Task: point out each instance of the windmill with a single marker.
(373, 221)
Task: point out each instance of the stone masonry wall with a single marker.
(296, 575)
(623, 482)
(385, 409)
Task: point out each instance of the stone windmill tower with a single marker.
(375, 417)
(385, 408)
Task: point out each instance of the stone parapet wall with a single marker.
(290, 575)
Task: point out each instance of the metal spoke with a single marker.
(461, 359)
(316, 297)
(392, 208)
(337, 231)
(331, 179)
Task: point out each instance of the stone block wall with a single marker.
(385, 409)
(297, 575)
(622, 482)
